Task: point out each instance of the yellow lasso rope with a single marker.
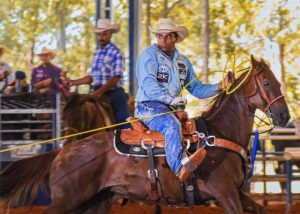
(85, 132)
(234, 70)
(123, 123)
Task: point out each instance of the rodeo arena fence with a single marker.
(28, 118)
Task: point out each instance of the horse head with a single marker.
(263, 92)
(78, 115)
(232, 115)
(81, 113)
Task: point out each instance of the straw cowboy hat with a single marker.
(105, 24)
(47, 51)
(167, 25)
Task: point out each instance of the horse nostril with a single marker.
(284, 118)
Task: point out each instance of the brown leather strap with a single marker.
(227, 144)
(106, 117)
(152, 175)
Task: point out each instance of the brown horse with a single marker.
(88, 175)
(81, 114)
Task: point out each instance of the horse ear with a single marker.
(253, 60)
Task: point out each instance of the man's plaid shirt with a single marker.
(107, 62)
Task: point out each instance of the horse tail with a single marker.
(20, 181)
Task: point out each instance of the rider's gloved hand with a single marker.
(177, 100)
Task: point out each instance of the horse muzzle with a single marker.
(280, 118)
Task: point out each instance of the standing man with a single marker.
(46, 77)
(162, 72)
(7, 76)
(107, 71)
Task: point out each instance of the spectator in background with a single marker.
(107, 71)
(46, 77)
(19, 85)
(7, 76)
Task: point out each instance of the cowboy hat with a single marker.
(167, 25)
(105, 24)
(47, 51)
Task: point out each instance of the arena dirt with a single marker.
(134, 208)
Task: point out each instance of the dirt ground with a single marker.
(145, 209)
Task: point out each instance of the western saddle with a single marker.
(141, 134)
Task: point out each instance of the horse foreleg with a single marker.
(157, 209)
(250, 205)
(227, 195)
(100, 203)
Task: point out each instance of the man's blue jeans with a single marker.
(120, 107)
(168, 125)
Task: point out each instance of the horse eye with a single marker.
(266, 83)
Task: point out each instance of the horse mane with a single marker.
(222, 97)
(72, 101)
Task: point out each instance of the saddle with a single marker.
(141, 135)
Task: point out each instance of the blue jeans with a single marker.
(120, 107)
(168, 125)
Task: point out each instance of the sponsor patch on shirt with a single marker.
(181, 65)
(182, 73)
(163, 73)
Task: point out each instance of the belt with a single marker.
(110, 90)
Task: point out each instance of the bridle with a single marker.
(264, 94)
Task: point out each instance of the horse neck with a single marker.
(103, 117)
(233, 120)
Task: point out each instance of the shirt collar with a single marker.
(175, 54)
(109, 45)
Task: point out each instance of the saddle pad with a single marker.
(133, 150)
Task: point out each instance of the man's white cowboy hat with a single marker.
(105, 24)
(47, 51)
(167, 25)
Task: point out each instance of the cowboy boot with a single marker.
(193, 163)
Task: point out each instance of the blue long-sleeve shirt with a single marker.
(162, 78)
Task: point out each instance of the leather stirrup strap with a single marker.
(152, 174)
